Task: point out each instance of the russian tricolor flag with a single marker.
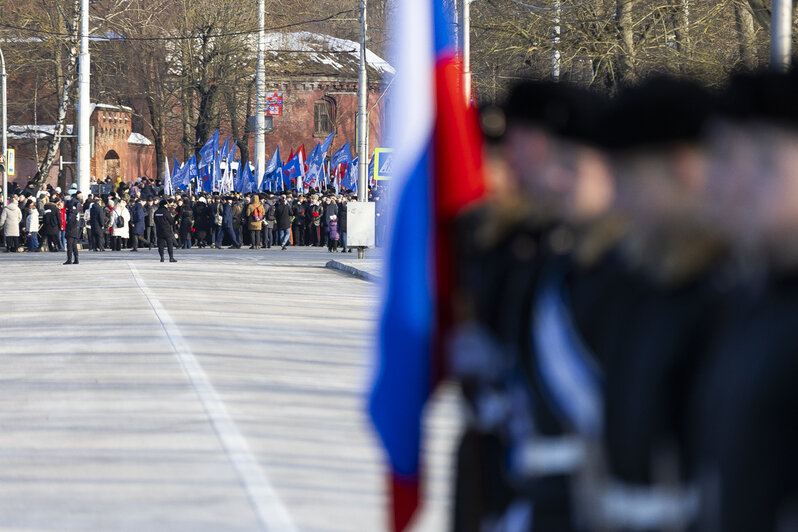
(438, 171)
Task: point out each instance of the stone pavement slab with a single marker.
(223, 392)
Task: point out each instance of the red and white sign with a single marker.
(274, 104)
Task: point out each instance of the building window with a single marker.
(322, 121)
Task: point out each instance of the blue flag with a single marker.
(272, 167)
(232, 155)
(191, 171)
(238, 183)
(250, 185)
(216, 179)
(325, 146)
(175, 170)
(315, 167)
(292, 173)
(350, 180)
(208, 151)
(342, 156)
(225, 147)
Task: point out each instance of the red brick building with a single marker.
(318, 77)
(115, 150)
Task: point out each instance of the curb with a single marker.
(349, 270)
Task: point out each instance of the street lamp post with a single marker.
(781, 35)
(3, 88)
(260, 96)
(362, 119)
(84, 102)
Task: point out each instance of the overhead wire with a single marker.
(39, 31)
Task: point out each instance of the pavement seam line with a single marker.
(269, 508)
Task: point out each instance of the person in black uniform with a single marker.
(73, 208)
(744, 422)
(165, 230)
(652, 353)
(186, 216)
(97, 226)
(516, 464)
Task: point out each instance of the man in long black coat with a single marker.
(51, 226)
(165, 229)
(96, 226)
(72, 229)
(282, 213)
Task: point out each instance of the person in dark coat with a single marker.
(149, 222)
(342, 224)
(282, 214)
(51, 226)
(228, 229)
(203, 214)
(72, 229)
(298, 225)
(96, 226)
(137, 224)
(186, 217)
(165, 229)
(268, 222)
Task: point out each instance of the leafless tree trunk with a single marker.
(67, 78)
(747, 38)
(626, 35)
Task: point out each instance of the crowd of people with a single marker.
(122, 216)
(627, 333)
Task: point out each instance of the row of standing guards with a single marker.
(627, 336)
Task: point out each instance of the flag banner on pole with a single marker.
(293, 172)
(168, 187)
(325, 146)
(232, 155)
(249, 178)
(208, 151)
(438, 172)
(175, 168)
(342, 156)
(216, 180)
(350, 179)
(314, 168)
(191, 172)
(238, 184)
(372, 181)
(272, 168)
(225, 147)
(303, 169)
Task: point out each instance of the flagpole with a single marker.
(260, 93)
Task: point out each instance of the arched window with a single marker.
(322, 118)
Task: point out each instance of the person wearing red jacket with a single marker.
(62, 231)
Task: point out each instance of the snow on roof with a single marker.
(138, 138)
(113, 107)
(35, 132)
(312, 51)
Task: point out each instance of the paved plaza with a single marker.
(223, 392)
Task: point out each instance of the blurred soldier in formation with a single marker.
(625, 341)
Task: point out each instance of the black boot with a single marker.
(172, 259)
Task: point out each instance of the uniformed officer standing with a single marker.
(165, 230)
(73, 208)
